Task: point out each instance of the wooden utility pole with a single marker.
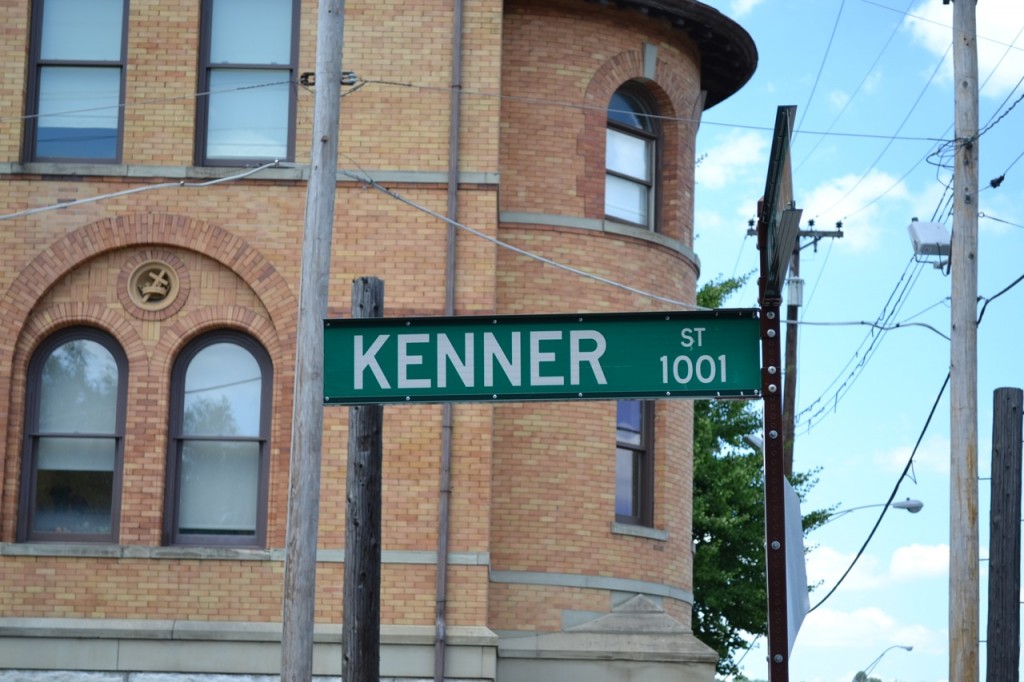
(792, 333)
(1003, 660)
(360, 634)
(963, 507)
(299, 592)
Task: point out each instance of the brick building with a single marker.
(147, 327)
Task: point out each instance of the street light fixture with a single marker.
(871, 666)
(912, 506)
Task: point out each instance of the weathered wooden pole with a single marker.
(299, 592)
(964, 627)
(360, 637)
(1003, 660)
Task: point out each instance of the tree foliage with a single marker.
(729, 574)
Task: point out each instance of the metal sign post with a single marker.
(777, 231)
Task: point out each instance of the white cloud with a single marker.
(872, 81)
(826, 565)
(858, 197)
(838, 99)
(1000, 60)
(916, 562)
(869, 627)
(932, 454)
(740, 156)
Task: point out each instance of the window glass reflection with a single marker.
(79, 389)
(82, 30)
(248, 114)
(78, 112)
(219, 488)
(251, 32)
(222, 392)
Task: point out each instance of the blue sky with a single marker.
(872, 83)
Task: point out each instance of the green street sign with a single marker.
(543, 357)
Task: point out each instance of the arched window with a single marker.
(74, 439)
(218, 450)
(631, 158)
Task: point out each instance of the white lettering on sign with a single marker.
(462, 367)
(368, 359)
(546, 351)
(537, 357)
(492, 351)
(405, 360)
(593, 357)
(687, 337)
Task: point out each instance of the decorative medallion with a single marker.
(153, 285)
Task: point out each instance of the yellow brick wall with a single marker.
(533, 484)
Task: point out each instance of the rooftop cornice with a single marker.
(727, 52)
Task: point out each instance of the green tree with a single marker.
(861, 676)
(730, 602)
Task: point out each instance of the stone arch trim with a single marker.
(41, 325)
(65, 254)
(674, 101)
(183, 330)
(143, 229)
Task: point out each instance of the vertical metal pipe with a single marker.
(444, 498)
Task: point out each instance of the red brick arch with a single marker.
(675, 99)
(22, 328)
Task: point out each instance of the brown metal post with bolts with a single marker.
(777, 231)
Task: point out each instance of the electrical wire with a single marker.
(874, 325)
(888, 502)
(1000, 220)
(858, 361)
(142, 102)
(856, 90)
(910, 460)
(137, 190)
(889, 143)
(659, 117)
(821, 66)
(373, 184)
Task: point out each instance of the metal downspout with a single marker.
(444, 499)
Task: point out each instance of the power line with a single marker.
(892, 496)
(594, 107)
(856, 91)
(142, 102)
(910, 460)
(370, 182)
(858, 361)
(137, 190)
(824, 59)
(906, 118)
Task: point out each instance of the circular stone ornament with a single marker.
(155, 287)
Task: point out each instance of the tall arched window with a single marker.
(74, 439)
(218, 451)
(631, 158)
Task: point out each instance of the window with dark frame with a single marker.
(631, 150)
(634, 462)
(248, 57)
(74, 109)
(74, 439)
(218, 457)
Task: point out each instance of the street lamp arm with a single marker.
(912, 506)
(871, 666)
